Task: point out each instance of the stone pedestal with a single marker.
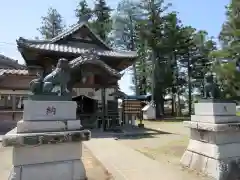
(214, 147)
(47, 143)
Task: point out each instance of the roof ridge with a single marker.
(11, 61)
(75, 28)
(37, 41)
(8, 58)
(67, 32)
(50, 46)
(13, 69)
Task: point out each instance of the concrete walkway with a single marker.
(125, 163)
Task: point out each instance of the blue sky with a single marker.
(22, 18)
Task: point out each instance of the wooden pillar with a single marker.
(91, 79)
(13, 106)
(123, 112)
(103, 97)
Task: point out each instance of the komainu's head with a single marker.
(62, 64)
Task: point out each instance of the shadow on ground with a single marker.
(128, 133)
(170, 119)
(6, 126)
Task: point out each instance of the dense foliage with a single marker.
(52, 24)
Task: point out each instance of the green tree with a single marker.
(151, 29)
(171, 42)
(202, 63)
(125, 36)
(102, 23)
(82, 10)
(230, 32)
(52, 24)
(187, 51)
(229, 37)
(228, 78)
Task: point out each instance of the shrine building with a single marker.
(92, 90)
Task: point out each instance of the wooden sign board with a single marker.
(132, 106)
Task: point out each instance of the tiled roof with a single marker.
(22, 72)
(74, 50)
(94, 60)
(66, 33)
(11, 63)
(78, 62)
(74, 29)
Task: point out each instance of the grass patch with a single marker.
(238, 113)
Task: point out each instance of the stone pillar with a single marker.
(47, 143)
(214, 146)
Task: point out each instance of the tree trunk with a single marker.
(189, 87)
(135, 80)
(143, 84)
(153, 84)
(132, 47)
(179, 105)
(173, 104)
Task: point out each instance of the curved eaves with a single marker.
(83, 60)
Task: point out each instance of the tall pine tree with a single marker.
(124, 32)
(52, 24)
(152, 29)
(102, 23)
(82, 10)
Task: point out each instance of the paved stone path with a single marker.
(124, 163)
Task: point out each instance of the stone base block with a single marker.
(212, 127)
(213, 137)
(219, 169)
(47, 126)
(44, 138)
(221, 151)
(62, 170)
(215, 108)
(27, 155)
(49, 110)
(216, 119)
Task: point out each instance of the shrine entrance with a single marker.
(93, 113)
(86, 110)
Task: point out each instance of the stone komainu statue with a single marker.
(211, 90)
(60, 76)
(36, 84)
